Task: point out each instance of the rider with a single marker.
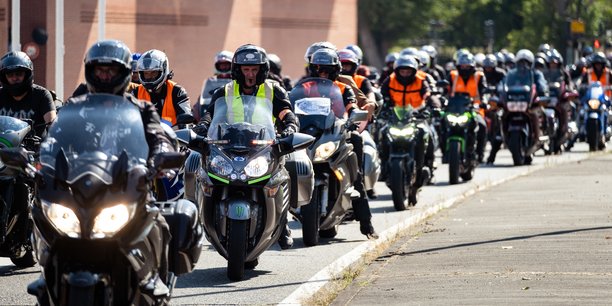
(467, 80)
(276, 67)
(599, 72)
(20, 97)
(406, 86)
(169, 98)
(133, 64)
(388, 68)
(433, 65)
(324, 63)
(250, 68)
(222, 75)
(494, 76)
(108, 71)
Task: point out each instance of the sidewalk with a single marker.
(545, 238)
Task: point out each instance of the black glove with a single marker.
(201, 129)
(289, 130)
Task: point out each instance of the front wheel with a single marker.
(311, 218)
(236, 249)
(593, 136)
(454, 161)
(400, 185)
(24, 261)
(515, 145)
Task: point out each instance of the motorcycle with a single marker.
(595, 105)
(406, 145)
(97, 234)
(319, 106)
(519, 100)
(561, 104)
(243, 189)
(459, 128)
(16, 192)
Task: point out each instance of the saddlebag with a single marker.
(301, 173)
(187, 234)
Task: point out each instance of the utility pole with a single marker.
(101, 19)
(59, 49)
(15, 25)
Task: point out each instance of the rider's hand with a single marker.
(370, 107)
(201, 129)
(289, 130)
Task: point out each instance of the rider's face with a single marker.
(106, 73)
(250, 74)
(405, 72)
(15, 77)
(151, 75)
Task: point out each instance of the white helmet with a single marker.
(153, 60)
(525, 55)
(479, 58)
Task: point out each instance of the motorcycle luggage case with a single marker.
(301, 173)
(186, 242)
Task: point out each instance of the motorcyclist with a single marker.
(509, 61)
(598, 72)
(556, 72)
(169, 98)
(433, 56)
(492, 73)
(406, 86)
(276, 67)
(494, 76)
(467, 80)
(324, 63)
(20, 97)
(135, 78)
(222, 75)
(541, 62)
(108, 71)
(250, 68)
(388, 68)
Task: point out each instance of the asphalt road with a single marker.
(292, 276)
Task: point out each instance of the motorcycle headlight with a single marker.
(594, 103)
(257, 167)
(63, 219)
(457, 120)
(111, 219)
(405, 132)
(517, 106)
(324, 151)
(220, 165)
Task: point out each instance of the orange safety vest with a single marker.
(471, 87)
(168, 112)
(359, 80)
(603, 79)
(404, 95)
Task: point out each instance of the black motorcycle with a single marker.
(16, 192)
(97, 234)
(243, 188)
(406, 144)
(459, 128)
(319, 106)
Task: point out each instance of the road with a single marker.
(292, 276)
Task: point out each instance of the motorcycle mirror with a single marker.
(185, 119)
(358, 115)
(294, 142)
(168, 160)
(185, 136)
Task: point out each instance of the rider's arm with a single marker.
(210, 109)
(182, 104)
(156, 137)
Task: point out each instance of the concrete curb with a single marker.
(354, 258)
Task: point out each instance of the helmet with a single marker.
(107, 53)
(406, 61)
(479, 58)
(348, 56)
(431, 50)
(586, 51)
(541, 60)
(424, 59)
(509, 58)
(391, 57)
(409, 51)
(490, 61)
(223, 57)
(555, 56)
(153, 60)
(466, 59)
(357, 51)
(525, 55)
(327, 58)
(459, 52)
(599, 58)
(250, 55)
(134, 61)
(15, 61)
(316, 46)
(275, 63)
(544, 48)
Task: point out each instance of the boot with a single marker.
(367, 229)
(372, 194)
(285, 241)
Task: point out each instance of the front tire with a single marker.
(24, 261)
(400, 186)
(593, 137)
(515, 145)
(311, 218)
(454, 161)
(236, 249)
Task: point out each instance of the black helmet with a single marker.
(108, 53)
(327, 59)
(15, 61)
(276, 65)
(599, 58)
(490, 61)
(250, 55)
(316, 46)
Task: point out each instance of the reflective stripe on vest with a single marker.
(168, 113)
(263, 98)
(404, 95)
(471, 88)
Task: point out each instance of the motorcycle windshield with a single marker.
(403, 112)
(240, 120)
(10, 125)
(93, 134)
(595, 91)
(458, 104)
(328, 94)
(209, 87)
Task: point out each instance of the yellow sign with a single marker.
(577, 27)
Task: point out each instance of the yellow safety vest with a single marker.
(263, 98)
